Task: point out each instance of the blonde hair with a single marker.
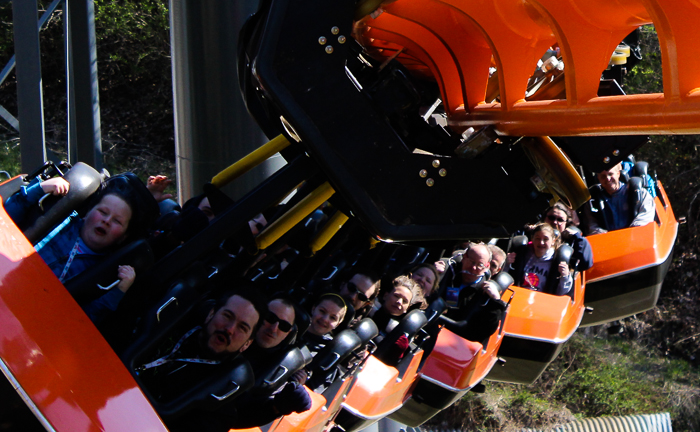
(335, 299)
(410, 284)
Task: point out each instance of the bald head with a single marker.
(475, 262)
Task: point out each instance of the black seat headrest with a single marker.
(12, 186)
(640, 169)
(342, 345)
(563, 254)
(290, 361)
(366, 330)
(635, 183)
(435, 309)
(504, 280)
(168, 205)
(574, 229)
(301, 320)
(84, 181)
(409, 326)
(216, 390)
(519, 241)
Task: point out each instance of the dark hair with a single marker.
(285, 300)
(282, 298)
(430, 267)
(128, 187)
(247, 291)
(571, 218)
(371, 275)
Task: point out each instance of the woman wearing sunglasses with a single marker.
(564, 220)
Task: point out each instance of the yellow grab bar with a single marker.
(250, 161)
(328, 231)
(295, 215)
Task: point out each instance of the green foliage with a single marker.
(9, 158)
(134, 73)
(593, 376)
(609, 387)
(647, 76)
(132, 37)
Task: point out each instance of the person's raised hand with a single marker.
(156, 185)
(55, 186)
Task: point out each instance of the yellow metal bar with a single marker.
(295, 215)
(250, 161)
(328, 231)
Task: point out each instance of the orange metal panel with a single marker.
(543, 316)
(452, 361)
(453, 34)
(313, 420)
(378, 390)
(486, 359)
(472, 55)
(611, 115)
(429, 51)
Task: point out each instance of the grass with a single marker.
(593, 376)
(9, 157)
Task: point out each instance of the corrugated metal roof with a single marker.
(633, 423)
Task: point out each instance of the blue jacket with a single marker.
(56, 248)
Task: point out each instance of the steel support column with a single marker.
(29, 89)
(212, 126)
(84, 133)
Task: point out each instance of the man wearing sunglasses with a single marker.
(273, 338)
(360, 291)
(276, 325)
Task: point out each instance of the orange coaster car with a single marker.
(536, 327)
(453, 368)
(630, 266)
